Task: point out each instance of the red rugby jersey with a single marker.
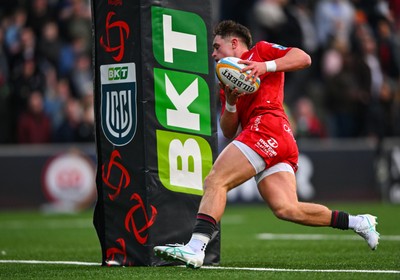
(269, 97)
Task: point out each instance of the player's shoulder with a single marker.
(268, 51)
(266, 44)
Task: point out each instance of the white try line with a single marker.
(50, 262)
(282, 236)
(303, 270)
(267, 269)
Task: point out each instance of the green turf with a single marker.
(35, 236)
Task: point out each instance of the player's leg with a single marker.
(229, 170)
(279, 191)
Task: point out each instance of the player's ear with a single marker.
(234, 42)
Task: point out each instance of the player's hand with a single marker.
(231, 95)
(256, 69)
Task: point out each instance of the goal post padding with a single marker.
(155, 124)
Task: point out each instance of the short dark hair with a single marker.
(228, 28)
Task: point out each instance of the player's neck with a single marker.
(240, 51)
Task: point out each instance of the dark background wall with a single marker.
(330, 170)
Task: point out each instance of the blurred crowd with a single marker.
(351, 90)
(46, 78)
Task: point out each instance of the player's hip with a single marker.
(272, 138)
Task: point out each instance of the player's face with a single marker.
(222, 47)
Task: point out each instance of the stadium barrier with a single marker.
(332, 170)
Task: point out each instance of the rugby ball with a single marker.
(228, 73)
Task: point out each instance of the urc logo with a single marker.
(118, 102)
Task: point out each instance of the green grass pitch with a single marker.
(255, 245)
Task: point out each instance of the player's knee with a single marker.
(286, 213)
(213, 181)
(209, 182)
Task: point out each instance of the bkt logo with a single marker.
(183, 161)
(118, 102)
(117, 73)
(182, 99)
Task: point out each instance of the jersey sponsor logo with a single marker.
(272, 142)
(118, 102)
(268, 147)
(256, 124)
(276, 46)
(288, 130)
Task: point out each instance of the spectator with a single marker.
(87, 126)
(341, 98)
(308, 124)
(14, 26)
(388, 49)
(384, 116)
(76, 21)
(334, 19)
(43, 34)
(68, 131)
(28, 46)
(55, 99)
(396, 110)
(394, 6)
(270, 15)
(370, 79)
(298, 21)
(7, 7)
(303, 16)
(33, 124)
(50, 46)
(81, 79)
(69, 54)
(27, 78)
(4, 92)
(39, 13)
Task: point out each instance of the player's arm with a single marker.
(295, 59)
(229, 121)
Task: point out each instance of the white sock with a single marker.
(198, 242)
(354, 220)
